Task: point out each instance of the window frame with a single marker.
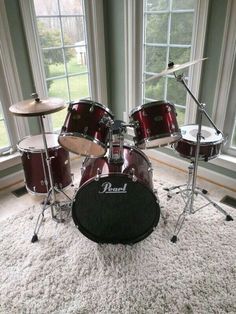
(96, 50)
(10, 90)
(227, 72)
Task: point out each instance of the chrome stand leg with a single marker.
(51, 199)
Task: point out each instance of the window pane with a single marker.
(179, 55)
(58, 88)
(180, 115)
(155, 89)
(79, 87)
(181, 28)
(156, 5)
(71, 7)
(76, 60)
(234, 136)
(53, 62)
(49, 32)
(176, 92)
(58, 119)
(46, 7)
(155, 59)
(4, 139)
(182, 4)
(156, 28)
(73, 30)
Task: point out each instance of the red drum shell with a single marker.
(86, 128)
(35, 166)
(115, 202)
(135, 161)
(210, 145)
(155, 124)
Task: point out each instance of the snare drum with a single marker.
(86, 128)
(115, 202)
(155, 124)
(33, 158)
(210, 144)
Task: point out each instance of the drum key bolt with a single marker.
(98, 175)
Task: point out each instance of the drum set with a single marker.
(115, 201)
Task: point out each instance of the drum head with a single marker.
(81, 145)
(209, 135)
(115, 209)
(35, 143)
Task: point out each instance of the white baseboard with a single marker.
(12, 179)
(182, 165)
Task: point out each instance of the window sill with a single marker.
(10, 161)
(225, 161)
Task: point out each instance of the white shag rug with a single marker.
(67, 273)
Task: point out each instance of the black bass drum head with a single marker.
(115, 209)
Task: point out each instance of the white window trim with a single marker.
(133, 25)
(96, 46)
(224, 90)
(13, 93)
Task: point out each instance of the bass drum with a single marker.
(115, 202)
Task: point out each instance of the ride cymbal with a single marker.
(37, 107)
(173, 68)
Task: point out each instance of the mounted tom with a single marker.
(86, 128)
(155, 124)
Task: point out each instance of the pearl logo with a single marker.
(107, 187)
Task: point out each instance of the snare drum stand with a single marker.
(191, 191)
(51, 199)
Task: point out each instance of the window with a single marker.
(4, 138)
(63, 42)
(168, 36)
(11, 128)
(66, 44)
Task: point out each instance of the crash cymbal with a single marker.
(37, 107)
(173, 68)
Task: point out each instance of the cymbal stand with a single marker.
(51, 198)
(191, 191)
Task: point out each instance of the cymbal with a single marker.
(37, 107)
(173, 68)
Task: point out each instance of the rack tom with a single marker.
(155, 124)
(86, 128)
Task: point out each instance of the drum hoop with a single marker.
(30, 150)
(150, 104)
(94, 103)
(151, 138)
(203, 143)
(80, 135)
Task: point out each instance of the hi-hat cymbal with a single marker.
(173, 68)
(37, 107)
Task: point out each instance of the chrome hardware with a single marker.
(85, 130)
(106, 120)
(98, 175)
(82, 169)
(132, 175)
(91, 108)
